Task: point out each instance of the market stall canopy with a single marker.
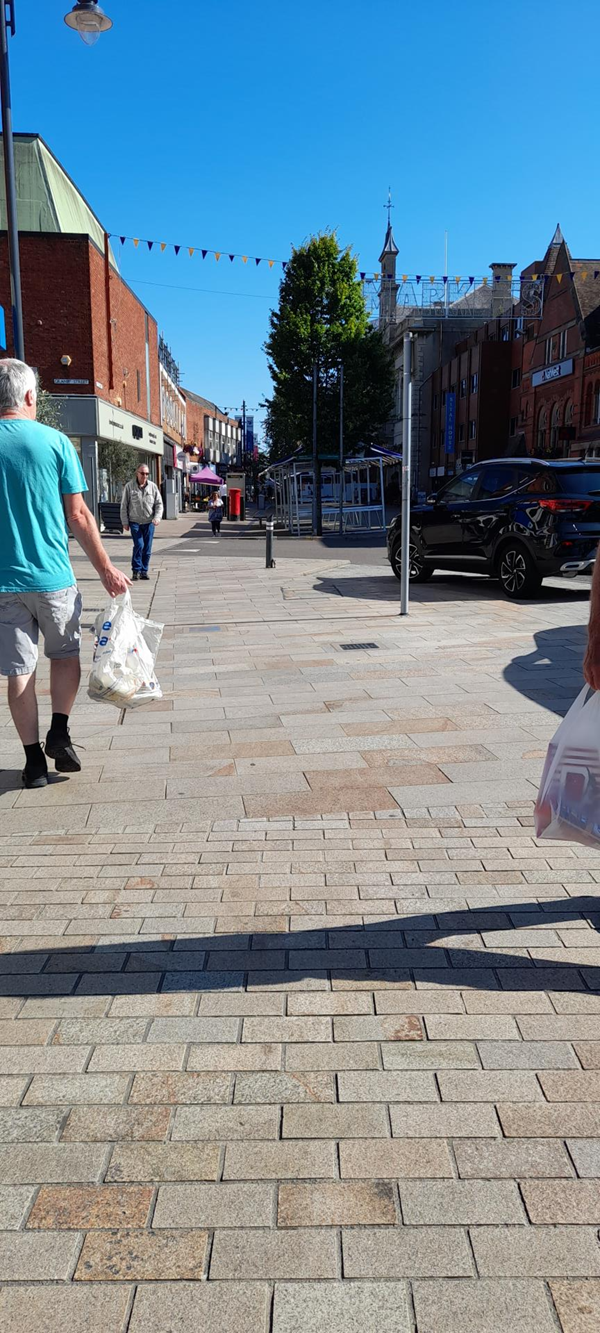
(207, 477)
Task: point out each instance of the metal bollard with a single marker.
(269, 561)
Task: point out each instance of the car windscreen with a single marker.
(584, 480)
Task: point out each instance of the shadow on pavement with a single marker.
(551, 673)
(436, 948)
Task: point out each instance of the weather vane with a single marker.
(389, 205)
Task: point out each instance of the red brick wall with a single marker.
(65, 314)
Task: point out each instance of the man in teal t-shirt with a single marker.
(41, 490)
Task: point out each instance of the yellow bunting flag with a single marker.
(432, 278)
(559, 277)
(534, 277)
(484, 281)
(217, 255)
(584, 274)
(163, 245)
(136, 241)
(190, 250)
(458, 279)
(271, 262)
(405, 277)
(244, 259)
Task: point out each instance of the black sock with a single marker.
(59, 725)
(34, 755)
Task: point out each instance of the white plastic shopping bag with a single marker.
(568, 803)
(126, 649)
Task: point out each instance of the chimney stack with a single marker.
(501, 288)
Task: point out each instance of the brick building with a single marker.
(527, 381)
(217, 437)
(92, 341)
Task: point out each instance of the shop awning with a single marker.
(207, 477)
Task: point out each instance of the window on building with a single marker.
(513, 425)
(554, 427)
(597, 403)
(542, 430)
(562, 344)
(589, 405)
(516, 378)
(463, 388)
(506, 334)
(474, 382)
(461, 433)
(569, 412)
(139, 386)
(472, 429)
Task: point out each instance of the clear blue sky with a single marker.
(246, 127)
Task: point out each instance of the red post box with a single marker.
(235, 504)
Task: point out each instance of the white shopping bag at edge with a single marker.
(568, 803)
(126, 649)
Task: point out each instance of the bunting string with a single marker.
(399, 280)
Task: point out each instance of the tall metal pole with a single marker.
(406, 470)
(315, 508)
(341, 450)
(9, 180)
(243, 458)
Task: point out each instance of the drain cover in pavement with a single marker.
(353, 647)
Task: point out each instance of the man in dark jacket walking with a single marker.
(141, 512)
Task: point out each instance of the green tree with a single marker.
(48, 410)
(322, 319)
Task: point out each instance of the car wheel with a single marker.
(517, 572)
(419, 572)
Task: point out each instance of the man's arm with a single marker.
(125, 507)
(158, 506)
(591, 664)
(85, 529)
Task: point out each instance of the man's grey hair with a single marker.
(16, 379)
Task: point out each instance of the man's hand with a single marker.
(114, 580)
(156, 522)
(125, 529)
(591, 663)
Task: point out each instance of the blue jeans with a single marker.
(142, 534)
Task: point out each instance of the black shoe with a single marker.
(144, 576)
(60, 749)
(135, 575)
(35, 775)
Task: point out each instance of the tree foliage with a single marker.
(47, 409)
(322, 319)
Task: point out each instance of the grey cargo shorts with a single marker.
(24, 614)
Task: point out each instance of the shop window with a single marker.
(542, 430)
(554, 425)
(118, 463)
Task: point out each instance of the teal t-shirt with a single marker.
(38, 466)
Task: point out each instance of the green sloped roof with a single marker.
(47, 199)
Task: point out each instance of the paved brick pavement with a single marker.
(299, 1024)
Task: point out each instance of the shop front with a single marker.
(111, 444)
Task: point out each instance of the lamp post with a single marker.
(89, 20)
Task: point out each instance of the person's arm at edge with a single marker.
(85, 530)
(125, 508)
(591, 663)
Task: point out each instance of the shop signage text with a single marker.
(555, 372)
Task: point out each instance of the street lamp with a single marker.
(89, 20)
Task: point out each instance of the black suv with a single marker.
(518, 520)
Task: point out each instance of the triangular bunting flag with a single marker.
(405, 277)
(362, 277)
(534, 277)
(149, 244)
(284, 263)
(136, 241)
(217, 255)
(204, 253)
(418, 277)
(244, 259)
(163, 246)
(571, 274)
(232, 257)
(271, 262)
(444, 280)
(485, 281)
(596, 272)
(471, 281)
(431, 278)
(122, 239)
(257, 262)
(584, 274)
(177, 248)
(559, 277)
(457, 280)
(190, 250)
